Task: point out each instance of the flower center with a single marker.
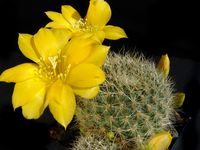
(84, 26)
(54, 68)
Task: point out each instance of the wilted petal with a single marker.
(98, 55)
(28, 91)
(26, 47)
(114, 32)
(19, 73)
(99, 13)
(87, 93)
(62, 102)
(70, 14)
(86, 76)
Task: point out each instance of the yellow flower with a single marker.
(63, 67)
(98, 15)
(164, 65)
(160, 141)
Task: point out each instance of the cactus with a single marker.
(134, 103)
(93, 142)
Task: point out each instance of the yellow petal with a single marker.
(49, 41)
(78, 49)
(19, 73)
(114, 32)
(164, 65)
(99, 36)
(28, 91)
(179, 99)
(160, 141)
(57, 18)
(62, 102)
(87, 93)
(62, 37)
(99, 13)
(35, 108)
(98, 55)
(26, 47)
(86, 76)
(45, 43)
(57, 25)
(70, 14)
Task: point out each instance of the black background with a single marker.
(154, 27)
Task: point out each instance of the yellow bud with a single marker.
(160, 141)
(164, 65)
(110, 135)
(179, 99)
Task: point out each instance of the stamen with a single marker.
(83, 25)
(53, 61)
(54, 69)
(79, 24)
(68, 69)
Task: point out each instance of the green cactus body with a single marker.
(134, 103)
(93, 142)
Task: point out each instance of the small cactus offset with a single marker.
(134, 103)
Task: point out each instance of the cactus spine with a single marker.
(134, 103)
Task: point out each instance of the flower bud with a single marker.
(164, 65)
(179, 99)
(160, 141)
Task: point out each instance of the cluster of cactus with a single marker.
(134, 103)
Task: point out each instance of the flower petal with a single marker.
(114, 32)
(35, 108)
(28, 91)
(78, 49)
(62, 37)
(98, 55)
(26, 47)
(99, 36)
(49, 41)
(86, 76)
(57, 18)
(99, 13)
(19, 73)
(54, 24)
(62, 102)
(70, 14)
(87, 93)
